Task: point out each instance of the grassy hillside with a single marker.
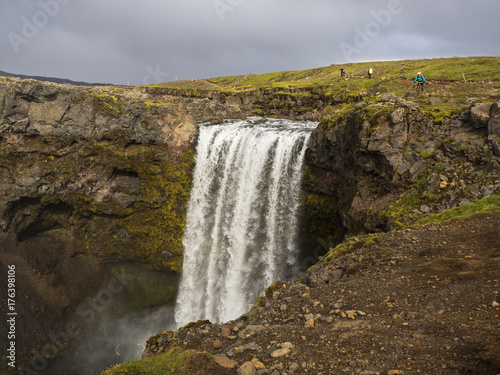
(477, 70)
(451, 80)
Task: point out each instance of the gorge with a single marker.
(95, 182)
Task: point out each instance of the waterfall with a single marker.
(241, 230)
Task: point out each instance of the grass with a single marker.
(385, 250)
(347, 247)
(425, 154)
(402, 207)
(485, 205)
(475, 69)
(438, 263)
(444, 76)
(174, 362)
(371, 241)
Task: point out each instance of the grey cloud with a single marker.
(120, 41)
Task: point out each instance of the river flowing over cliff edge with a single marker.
(241, 230)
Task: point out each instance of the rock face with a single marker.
(94, 183)
(364, 162)
(33, 108)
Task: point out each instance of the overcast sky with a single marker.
(146, 41)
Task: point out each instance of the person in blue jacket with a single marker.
(420, 80)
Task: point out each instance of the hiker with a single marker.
(420, 79)
(342, 72)
(370, 72)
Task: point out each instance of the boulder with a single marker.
(389, 97)
(494, 120)
(480, 114)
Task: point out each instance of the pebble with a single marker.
(288, 345)
(247, 369)
(258, 364)
(225, 362)
(309, 323)
(218, 344)
(225, 331)
(251, 346)
(309, 316)
(280, 352)
(351, 314)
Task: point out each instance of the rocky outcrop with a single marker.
(388, 163)
(33, 108)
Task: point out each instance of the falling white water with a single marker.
(241, 229)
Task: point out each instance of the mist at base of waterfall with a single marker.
(112, 341)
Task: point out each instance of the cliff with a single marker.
(387, 163)
(95, 181)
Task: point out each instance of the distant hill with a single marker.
(50, 79)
